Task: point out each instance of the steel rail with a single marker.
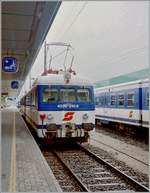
(85, 189)
(120, 151)
(140, 187)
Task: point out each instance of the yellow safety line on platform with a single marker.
(12, 179)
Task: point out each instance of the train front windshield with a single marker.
(51, 95)
(67, 95)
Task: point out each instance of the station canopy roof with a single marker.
(24, 28)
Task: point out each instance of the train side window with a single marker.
(36, 97)
(147, 98)
(83, 95)
(34, 94)
(28, 100)
(33, 98)
(121, 100)
(31, 95)
(24, 101)
(101, 101)
(106, 100)
(50, 95)
(131, 98)
(113, 100)
(97, 101)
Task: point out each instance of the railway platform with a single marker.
(24, 168)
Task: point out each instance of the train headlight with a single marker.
(49, 117)
(85, 116)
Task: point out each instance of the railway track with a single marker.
(119, 151)
(64, 176)
(77, 169)
(141, 178)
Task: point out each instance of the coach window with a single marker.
(131, 100)
(96, 100)
(121, 100)
(101, 100)
(24, 101)
(28, 100)
(33, 97)
(36, 97)
(106, 100)
(113, 100)
(147, 98)
(83, 95)
(50, 95)
(67, 95)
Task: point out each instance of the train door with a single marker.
(145, 107)
(25, 105)
(140, 104)
(103, 107)
(36, 98)
(106, 104)
(112, 106)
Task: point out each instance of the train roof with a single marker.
(123, 84)
(58, 79)
(125, 78)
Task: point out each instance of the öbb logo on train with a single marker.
(68, 116)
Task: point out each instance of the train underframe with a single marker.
(51, 135)
(132, 130)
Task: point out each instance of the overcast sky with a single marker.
(109, 38)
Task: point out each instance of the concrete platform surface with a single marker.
(24, 168)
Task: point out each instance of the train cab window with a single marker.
(67, 95)
(147, 99)
(121, 100)
(131, 99)
(113, 100)
(50, 95)
(83, 95)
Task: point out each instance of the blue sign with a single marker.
(9, 64)
(14, 84)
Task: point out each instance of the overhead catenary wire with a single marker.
(75, 18)
(124, 56)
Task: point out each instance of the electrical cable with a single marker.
(124, 56)
(75, 18)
